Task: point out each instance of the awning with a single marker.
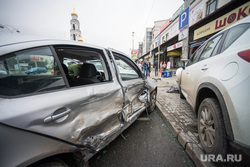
(174, 53)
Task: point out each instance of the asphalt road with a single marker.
(146, 143)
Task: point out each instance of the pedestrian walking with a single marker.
(168, 65)
(164, 66)
(149, 68)
(145, 67)
(156, 67)
(160, 67)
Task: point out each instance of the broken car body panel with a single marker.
(86, 116)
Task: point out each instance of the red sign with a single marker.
(34, 58)
(165, 25)
(134, 52)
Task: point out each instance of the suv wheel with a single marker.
(211, 127)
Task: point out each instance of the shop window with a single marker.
(211, 6)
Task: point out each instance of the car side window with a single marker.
(233, 34)
(29, 71)
(83, 66)
(195, 56)
(210, 47)
(126, 68)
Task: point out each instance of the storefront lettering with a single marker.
(220, 23)
(203, 31)
(242, 13)
(223, 21)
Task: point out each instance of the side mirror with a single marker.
(181, 64)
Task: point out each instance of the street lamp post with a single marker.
(133, 40)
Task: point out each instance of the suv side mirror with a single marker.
(181, 64)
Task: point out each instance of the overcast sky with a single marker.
(107, 23)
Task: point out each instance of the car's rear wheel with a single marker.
(211, 127)
(152, 104)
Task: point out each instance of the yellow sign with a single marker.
(223, 21)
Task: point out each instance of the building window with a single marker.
(163, 39)
(74, 37)
(211, 6)
(167, 36)
(74, 27)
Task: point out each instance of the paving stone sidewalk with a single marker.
(180, 118)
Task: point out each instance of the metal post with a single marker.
(185, 46)
(132, 40)
(159, 59)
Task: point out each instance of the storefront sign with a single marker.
(165, 25)
(175, 46)
(223, 22)
(161, 52)
(134, 55)
(196, 14)
(134, 52)
(174, 30)
(180, 10)
(177, 13)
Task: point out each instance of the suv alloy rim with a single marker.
(207, 127)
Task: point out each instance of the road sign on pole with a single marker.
(184, 18)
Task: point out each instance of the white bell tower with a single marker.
(75, 32)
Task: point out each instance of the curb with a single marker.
(191, 148)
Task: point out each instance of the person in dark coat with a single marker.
(149, 68)
(156, 67)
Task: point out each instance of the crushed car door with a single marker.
(133, 83)
(84, 111)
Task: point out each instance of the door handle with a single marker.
(205, 67)
(60, 113)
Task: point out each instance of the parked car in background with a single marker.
(36, 70)
(63, 120)
(215, 82)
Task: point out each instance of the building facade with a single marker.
(206, 17)
(147, 41)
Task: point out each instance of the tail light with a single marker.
(245, 55)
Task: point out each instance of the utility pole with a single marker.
(159, 57)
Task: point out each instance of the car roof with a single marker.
(11, 42)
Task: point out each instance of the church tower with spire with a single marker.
(75, 32)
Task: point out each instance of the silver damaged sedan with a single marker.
(68, 113)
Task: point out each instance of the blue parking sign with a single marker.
(183, 18)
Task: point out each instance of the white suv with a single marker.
(216, 83)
